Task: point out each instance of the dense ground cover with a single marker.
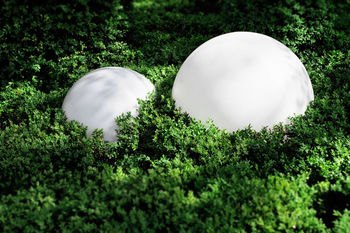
(168, 172)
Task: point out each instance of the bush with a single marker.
(168, 172)
(54, 41)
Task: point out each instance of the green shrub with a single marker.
(332, 202)
(55, 40)
(168, 172)
(343, 224)
(165, 198)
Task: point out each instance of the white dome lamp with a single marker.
(242, 78)
(100, 96)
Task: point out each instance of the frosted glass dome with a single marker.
(240, 79)
(100, 96)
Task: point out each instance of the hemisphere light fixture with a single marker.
(242, 78)
(101, 95)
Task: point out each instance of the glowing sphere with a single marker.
(100, 96)
(242, 78)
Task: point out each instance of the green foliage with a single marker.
(332, 202)
(168, 198)
(168, 172)
(343, 224)
(58, 40)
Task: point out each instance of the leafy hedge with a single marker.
(168, 172)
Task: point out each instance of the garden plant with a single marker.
(168, 172)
